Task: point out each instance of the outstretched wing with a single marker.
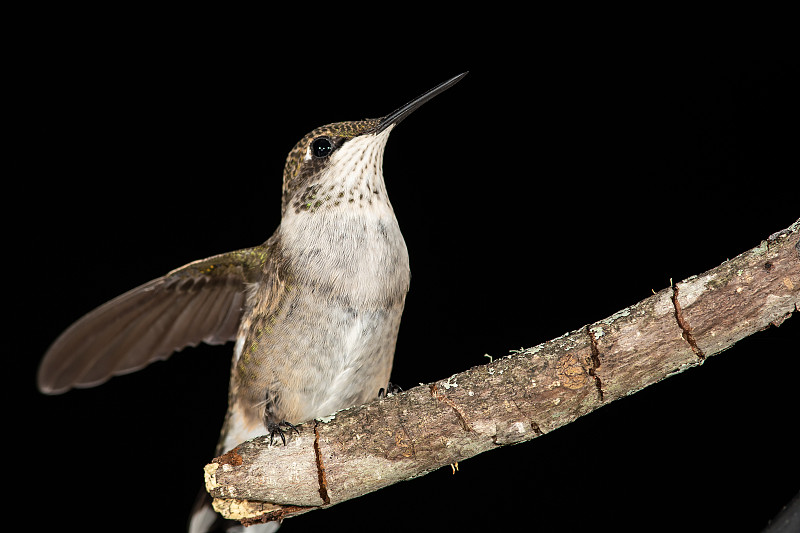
(201, 301)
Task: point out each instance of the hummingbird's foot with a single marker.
(275, 429)
(390, 389)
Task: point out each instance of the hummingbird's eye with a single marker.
(321, 147)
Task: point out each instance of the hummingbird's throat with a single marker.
(353, 179)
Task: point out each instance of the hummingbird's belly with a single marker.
(315, 357)
(352, 365)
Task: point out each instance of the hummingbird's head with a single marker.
(341, 164)
(331, 164)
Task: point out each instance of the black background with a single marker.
(563, 179)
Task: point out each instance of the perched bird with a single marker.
(314, 311)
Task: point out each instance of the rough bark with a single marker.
(513, 399)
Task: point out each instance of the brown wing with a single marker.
(201, 301)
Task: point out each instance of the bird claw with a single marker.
(275, 428)
(390, 390)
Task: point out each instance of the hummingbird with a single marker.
(314, 311)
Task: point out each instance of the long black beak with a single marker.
(395, 117)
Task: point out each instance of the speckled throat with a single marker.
(353, 178)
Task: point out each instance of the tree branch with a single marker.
(514, 399)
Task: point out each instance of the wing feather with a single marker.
(199, 302)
